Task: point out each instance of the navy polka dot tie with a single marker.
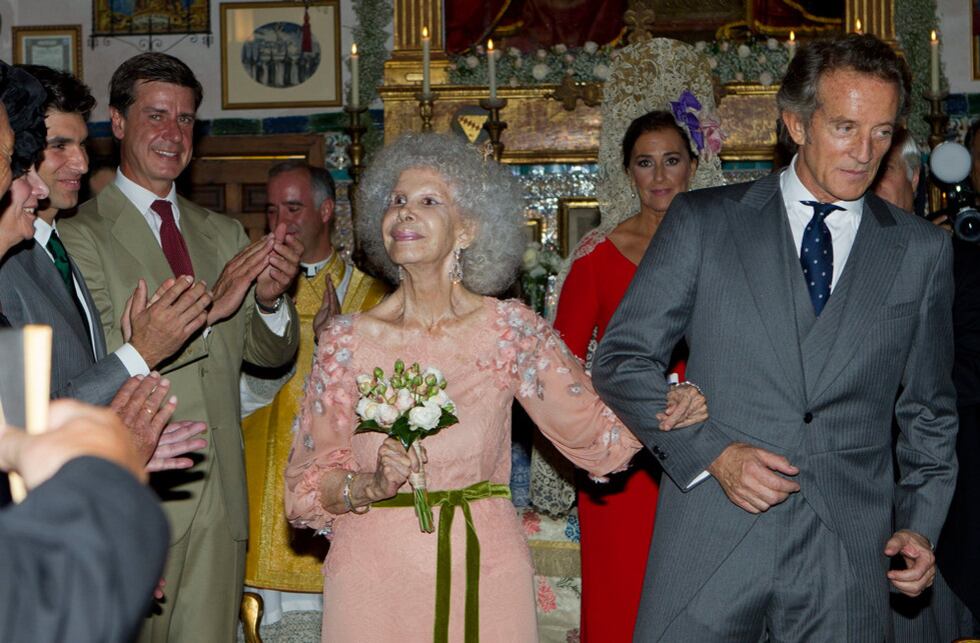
(817, 254)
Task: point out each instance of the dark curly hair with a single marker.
(66, 93)
(23, 97)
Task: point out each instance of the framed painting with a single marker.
(576, 217)
(975, 37)
(143, 18)
(55, 46)
(532, 228)
(280, 54)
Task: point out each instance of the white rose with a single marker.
(765, 78)
(425, 417)
(762, 59)
(472, 62)
(772, 44)
(590, 46)
(364, 383)
(712, 62)
(514, 52)
(560, 48)
(744, 51)
(739, 76)
(540, 71)
(440, 399)
(404, 401)
(541, 54)
(431, 370)
(366, 409)
(700, 45)
(530, 258)
(518, 63)
(387, 414)
(601, 71)
(569, 59)
(724, 45)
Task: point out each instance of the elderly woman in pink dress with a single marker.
(446, 224)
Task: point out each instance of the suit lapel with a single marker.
(38, 265)
(198, 235)
(133, 232)
(871, 268)
(98, 337)
(759, 232)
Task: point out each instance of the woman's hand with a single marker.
(395, 464)
(686, 406)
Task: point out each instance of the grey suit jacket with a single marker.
(31, 292)
(722, 273)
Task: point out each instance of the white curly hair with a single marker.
(484, 192)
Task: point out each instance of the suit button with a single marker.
(657, 451)
(807, 417)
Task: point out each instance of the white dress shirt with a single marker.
(843, 224)
(131, 360)
(143, 199)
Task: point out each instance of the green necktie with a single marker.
(57, 250)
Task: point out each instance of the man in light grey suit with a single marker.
(812, 311)
(40, 284)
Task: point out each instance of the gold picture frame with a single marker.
(576, 217)
(55, 46)
(267, 60)
(533, 228)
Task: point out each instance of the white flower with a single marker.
(440, 399)
(744, 51)
(601, 71)
(513, 81)
(590, 47)
(569, 59)
(712, 62)
(404, 400)
(530, 258)
(700, 45)
(762, 59)
(480, 50)
(425, 417)
(472, 62)
(518, 63)
(541, 54)
(367, 409)
(724, 45)
(364, 383)
(387, 414)
(540, 71)
(765, 78)
(739, 76)
(514, 52)
(772, 44)
(560, 48)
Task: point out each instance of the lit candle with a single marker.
(791, 45)
(426, 89)
(934, 68)
(492, 70)
(857, 25)
(355, 77)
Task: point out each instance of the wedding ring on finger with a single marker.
(148, 410)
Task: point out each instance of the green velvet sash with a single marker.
(449, 500)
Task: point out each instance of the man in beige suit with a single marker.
(138, 228)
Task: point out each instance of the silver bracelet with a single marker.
(346, 495)
(690, 383)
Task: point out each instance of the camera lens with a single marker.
(966, 225)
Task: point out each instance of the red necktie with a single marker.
(174, 248)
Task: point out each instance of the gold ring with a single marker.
(148, 410)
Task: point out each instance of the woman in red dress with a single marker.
(660, 158)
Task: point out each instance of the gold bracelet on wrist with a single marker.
(346, 495)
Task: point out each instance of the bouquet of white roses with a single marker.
(409, 404)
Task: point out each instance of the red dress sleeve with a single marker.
(578, 306)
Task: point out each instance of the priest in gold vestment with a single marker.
(283, 563)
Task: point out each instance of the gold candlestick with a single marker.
(494, 125)
(356, 148)
(425, 109)
(938, 121)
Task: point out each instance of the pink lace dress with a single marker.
(379, 575)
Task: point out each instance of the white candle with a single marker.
(426, 89)
(791, 45)
(355, 77)
(934, 67)
(492, 70)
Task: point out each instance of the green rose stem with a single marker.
(417, 480)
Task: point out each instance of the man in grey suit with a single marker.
(813, 311)
(40, 284)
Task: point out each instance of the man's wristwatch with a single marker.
(268, 310)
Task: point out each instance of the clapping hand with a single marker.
(158, 328)
(282, 267)
(177, 440)
(237, 277)
(143, 406)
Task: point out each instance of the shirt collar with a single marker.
(42, 232)
(312, 269)
(141, 197)
(794, 191)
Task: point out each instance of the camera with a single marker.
(950, 164)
